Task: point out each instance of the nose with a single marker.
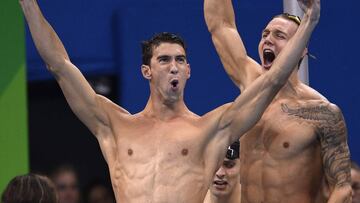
(174, 69)
(220, 173)
(268, 40)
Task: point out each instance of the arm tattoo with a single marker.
(333, 138)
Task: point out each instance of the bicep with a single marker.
(241, 68)
(84, 102)
(334, 148)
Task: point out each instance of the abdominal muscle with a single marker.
(298, 179)
(170, 181)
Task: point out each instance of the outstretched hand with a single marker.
(310, 8)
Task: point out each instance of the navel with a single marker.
(130, 152)
(286, 145)
(184, 152)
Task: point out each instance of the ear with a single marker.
(188, 72)
(146, 71)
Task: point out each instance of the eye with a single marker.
(280, 36)
(163, 59)
(229, 164)
(181, 59)
(264, 35)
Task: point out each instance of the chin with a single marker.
(219, 193)
(266, 67)
(172, 99)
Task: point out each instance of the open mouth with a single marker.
(174, 83)
(220, 182)
(269, 57)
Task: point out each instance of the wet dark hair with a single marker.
(233, 151)
(30, 188)
(149, 45)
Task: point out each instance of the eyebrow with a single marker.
(163, 56)
(276, 31)
(281, 32)
(168, 56)
(180, 56)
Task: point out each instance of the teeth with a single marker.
(268, 51)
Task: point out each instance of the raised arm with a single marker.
(84, 102)
(220, 19)
(250, 105)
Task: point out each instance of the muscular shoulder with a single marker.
(326, 117)
(331, 121)
(325, 110)
(315, 110)
(313, 106)
(309, 93)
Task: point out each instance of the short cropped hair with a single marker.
(149, 45)
(287, 16)
(30, 188)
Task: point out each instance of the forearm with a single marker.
(46, 40)
(219, 13)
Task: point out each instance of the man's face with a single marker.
(274, 38)
(226, 178)
(355, 184)
(67, 186)
(169, 71)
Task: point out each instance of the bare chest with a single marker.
(281, 150)
(152, 158)
(283, 132)
(166, 142)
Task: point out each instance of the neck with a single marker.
(291, 86)
(234, 196)
(165, 109)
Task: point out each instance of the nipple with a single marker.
(130, 152)
(185, 152)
